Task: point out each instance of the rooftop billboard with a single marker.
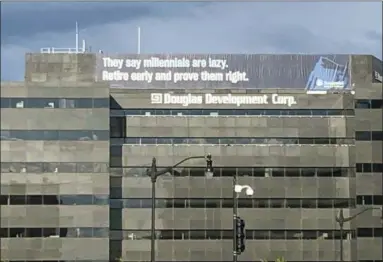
(311, 72)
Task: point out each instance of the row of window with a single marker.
(369, 200)
(231, 140)
(228, 203)
(244, 171)
(250, 234)
(54, 167)
(369, 135)
(54, 199)
(369, 167)
(231, 112)
(97, 232)
(185, 202)
(188, 234)
(118, 259)
(55, 135)
(369, 103)
(98, 167)
(16, 102)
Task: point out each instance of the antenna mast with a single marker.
(139, 40)
(76, 37)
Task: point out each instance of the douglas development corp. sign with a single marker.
(229, 99)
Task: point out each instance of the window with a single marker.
(54, 135)
(377, 136)
(17, 103)
(369, 104)
(370, 200)
(49, 167)
(101, 103)
(5, 103)
(228, 112)
(363, 136)
(376, 103)
(370, 232)
(63, 232)
(117, 127)
(67, 103)
(116, 130)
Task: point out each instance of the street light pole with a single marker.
(237, 189)
(235, 214)
(154, 174)
(340, 219)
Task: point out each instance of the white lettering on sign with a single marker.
(176, 70)
(211, 99)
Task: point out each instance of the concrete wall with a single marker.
(221, 187)
(239, 126)
(368, 152)
(56, 68)
(207, 250)
(241, 155)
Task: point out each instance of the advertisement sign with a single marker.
(311, 72)
(377, 70)
(214, 99)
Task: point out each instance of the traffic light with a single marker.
(241, 235)
(209, 163)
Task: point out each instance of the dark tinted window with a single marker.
(363, 135)
(5, 103)
(118, 127)
(377, 135)
(42, 102)
(33, 102)
(369, 104)
(50, 135)
(229, 112)
(18, 102)
(363, 104)
(49, 167)
(100, 102)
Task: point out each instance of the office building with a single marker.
(75, 153)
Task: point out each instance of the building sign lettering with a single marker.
(227, 71)
(211, 99)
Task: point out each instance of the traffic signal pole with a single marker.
(235, 214)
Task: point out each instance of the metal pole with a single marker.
(153, 177)
(341, 241)
(139, 40)
(76, 38)
(235, 214)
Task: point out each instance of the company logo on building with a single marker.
(378, 77)
(329, 85)
(229, 99)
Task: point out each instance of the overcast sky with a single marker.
(257, 27)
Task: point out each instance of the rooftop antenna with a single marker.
(76, 37)
(139, 40)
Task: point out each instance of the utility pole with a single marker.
(340, 219)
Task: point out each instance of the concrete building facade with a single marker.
(75, 154)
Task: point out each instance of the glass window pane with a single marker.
(5, 102)
(18, 103)
(5, 135)
(67, 103)
(100, 102)
(363, 136)
(42, 102)
(84, 102)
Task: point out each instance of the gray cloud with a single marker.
(192, 28)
